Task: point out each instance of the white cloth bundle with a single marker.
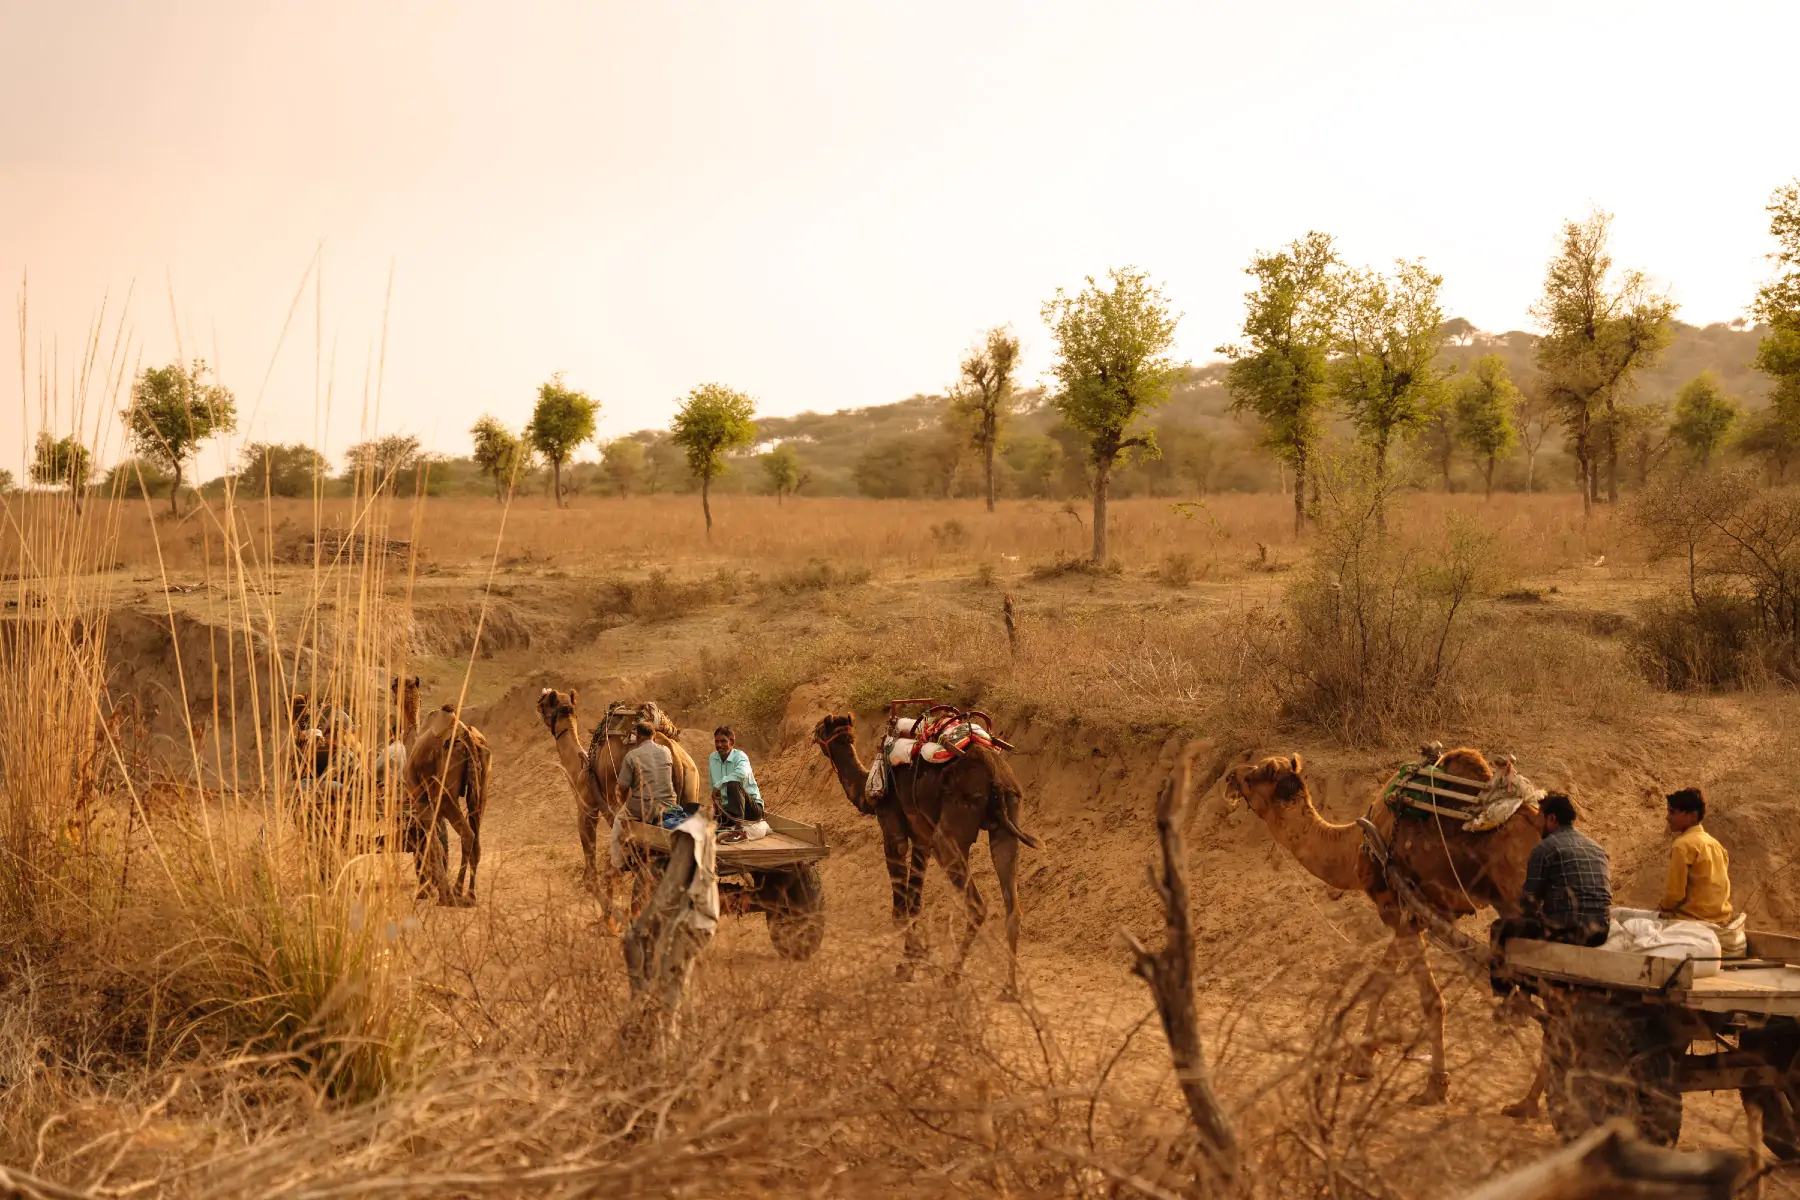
(1644, 931)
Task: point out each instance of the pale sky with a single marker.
(823, 204)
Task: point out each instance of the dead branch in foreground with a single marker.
(1170, 971)
(1610, 1163)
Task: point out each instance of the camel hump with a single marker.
(1466, 762)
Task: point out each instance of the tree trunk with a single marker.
(1380, 486)
(988, 464)
(1489, 480)
(1299, 492)
(1102, 481)
(175, 493)
(706, 503)
(556, 479)
(1530, 469)
(1612, 452)
(1170, 971)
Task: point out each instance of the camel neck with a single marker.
(568, 751)
(852, 775)
(1331, 852)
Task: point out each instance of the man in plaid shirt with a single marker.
(1568, 884)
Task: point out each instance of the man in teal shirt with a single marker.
(734, 788)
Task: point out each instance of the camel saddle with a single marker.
(1424, 789)
(943, 734)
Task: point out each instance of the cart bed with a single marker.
(1767, 982)
(788, 844)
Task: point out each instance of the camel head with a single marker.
(557, 709)
(1266, 785)
(834, 729)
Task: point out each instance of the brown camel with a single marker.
(1453, 872)
(938, 812)
(446, 779)
(594, 775)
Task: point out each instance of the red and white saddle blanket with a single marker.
(933, 741)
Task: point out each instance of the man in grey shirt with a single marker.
(647, 773)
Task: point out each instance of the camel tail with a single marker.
(1008, 809)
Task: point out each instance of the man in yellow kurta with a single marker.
(1699, 887)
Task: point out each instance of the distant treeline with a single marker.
(909, 450)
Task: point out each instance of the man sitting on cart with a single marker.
(647, 773)
(734, 788)
(1568, 884)
(1699, 884)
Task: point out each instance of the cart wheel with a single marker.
(1780, 1106)
(794, 903)
(1606, 1061)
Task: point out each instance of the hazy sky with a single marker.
(823, 204)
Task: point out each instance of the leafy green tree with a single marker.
(1486, 402)
(781, 468)
(501, 454)
(983, 400)
(7, 486)
(385, 463)
(1599, 333)
(663, 464)
(1771, 437)
(271, 469)
(61, 462)
(1036, 463)
(623, 461)
(563, 419)
(1642, 432)
(713, 421)
(1278, 370)
(1437, 438)
(1704, 415)
(1112, 368)
(1778, 305)
(173, 410)
(135, 479)
(1384, 372)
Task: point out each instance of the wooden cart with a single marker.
(776, 875)
(1627, 1034)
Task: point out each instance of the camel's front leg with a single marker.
(1437, 1088)
(469, 855)
(1374, 990)
(587, 828)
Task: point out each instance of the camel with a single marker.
(1454, 873)
(407, 695)
(594, 776)
(938, 812)
(445, 778)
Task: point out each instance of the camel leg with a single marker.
(956, 869)
(1004, 849)
(1372, 993)
(1432, 1001)
(466, 844)
(914, 887)
(1527, 1107)
(471, 857)
(587, 823)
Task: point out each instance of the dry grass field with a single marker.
(197, 998)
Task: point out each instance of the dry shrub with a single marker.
(658, 597)
(1372, 644)
(819, 576)
(1736, 622)
(1180, 569)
